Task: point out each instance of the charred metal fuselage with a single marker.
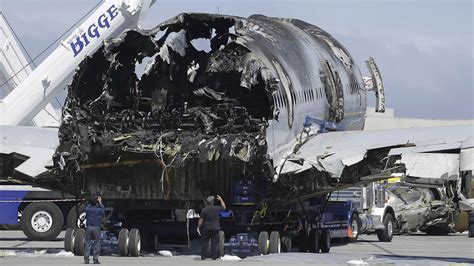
(199, 119)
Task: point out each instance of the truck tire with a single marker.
(79, 240)
(75, 221)
(263, 243)
(149, 241)
(275, 242)
(42, 221)
(386, 234)
(303, 240)
(355, 226)
(325, 241)
(69, 239)
(221, 243)
(134, 242)
(313, 240)
(123, 242)
(286, 243)
(471, 224)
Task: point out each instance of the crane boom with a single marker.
(109, 19)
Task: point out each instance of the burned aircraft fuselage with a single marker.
(199, 119)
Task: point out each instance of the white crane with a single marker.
(19, 107)
(109, 19)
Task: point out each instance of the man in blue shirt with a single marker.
(94, 215)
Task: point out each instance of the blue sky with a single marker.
(424, 49)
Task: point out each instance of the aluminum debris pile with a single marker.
(423, 209)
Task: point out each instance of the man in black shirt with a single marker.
(209, 226)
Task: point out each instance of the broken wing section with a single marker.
(339, 153)
(27, 150)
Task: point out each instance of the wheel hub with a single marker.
(389, 227)
(41, 221)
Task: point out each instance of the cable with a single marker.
(53, 43)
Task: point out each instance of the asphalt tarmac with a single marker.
(420, 249)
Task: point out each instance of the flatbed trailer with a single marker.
(248, 226)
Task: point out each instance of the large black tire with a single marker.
(275, 242)
(72, 217)
(286, 243)
(386, 234)
(69, 239)
(313, 240)
(303, 240)
(123, 242)
(263, 243)
(355, 226)
(79, 239)
(149, 241)
(221, 244)
(471, 225)
(134, 242)
(325, 241)
(42, 221)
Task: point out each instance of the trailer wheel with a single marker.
(286, 243)
(42, 221)
(221, 243)
(149, 241)
(355, 226)
(275, 242)
(69, 239)
(74, 220)
(303, 240)
(263, 243)
(313, 240)
(325, 241)
(386, 234)
(134, 242)
(471, 224)
(79, 239)
(123, 242)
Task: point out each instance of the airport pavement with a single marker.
(418, 249)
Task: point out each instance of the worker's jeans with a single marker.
(213, 235)
(92, 241)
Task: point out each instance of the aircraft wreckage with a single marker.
(197, 121)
